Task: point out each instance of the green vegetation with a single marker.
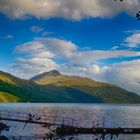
(55, 87)
(5, 97)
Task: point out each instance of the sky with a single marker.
(99, 39)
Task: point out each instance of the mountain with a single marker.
(55, 87)
(52, 73)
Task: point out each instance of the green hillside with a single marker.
(5, 97)
(55, 87)
(106, 93)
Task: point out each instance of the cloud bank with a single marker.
(44, 54)
(68, 9)
(133, 41)
(125, 74)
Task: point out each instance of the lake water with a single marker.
(106, 115)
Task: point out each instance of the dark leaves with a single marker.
(138, 15)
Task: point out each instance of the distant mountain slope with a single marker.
(55, 87)
(52, 73)
(105, 92)
(59, 79)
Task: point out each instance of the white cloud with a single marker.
(89, 57)
(69, 52)
(43, 54)
(115, 47)
(95, 69)
(125, 74)
(36, 29)
(133, 40)
(46, 33)
(69, 9)
(30, 47)
(8, 36)
(28, 67)
(59, 47)
(68, 69)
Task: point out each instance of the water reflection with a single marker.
(111, 115)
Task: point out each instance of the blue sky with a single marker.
(101, 42)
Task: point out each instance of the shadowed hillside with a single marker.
(55, 87)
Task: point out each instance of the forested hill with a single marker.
(54, 87)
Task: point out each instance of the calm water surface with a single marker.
(107, 115)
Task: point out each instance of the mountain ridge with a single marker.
(47, 75)
(50, 73)
(54, 87)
